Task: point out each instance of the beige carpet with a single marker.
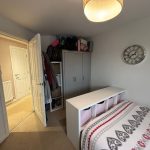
(31, 135)
(18, 111)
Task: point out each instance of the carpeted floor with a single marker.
(18, 111)
(31, 135)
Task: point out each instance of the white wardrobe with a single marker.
(76, 73)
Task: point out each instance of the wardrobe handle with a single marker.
(74, 79)
(83, 78)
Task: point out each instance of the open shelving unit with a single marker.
(108, 97)
(57, 95)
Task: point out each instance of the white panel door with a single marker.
(4, 130)
(72, 70)
(37, 86)
(20, 68)
(86, 76)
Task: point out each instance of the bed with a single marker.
(126, 126)
(105, 120)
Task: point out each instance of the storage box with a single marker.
(100, 108)
(110, 103)
(85, 116)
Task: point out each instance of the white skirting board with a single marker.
(8, 90)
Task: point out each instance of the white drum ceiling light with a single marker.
(102, 10)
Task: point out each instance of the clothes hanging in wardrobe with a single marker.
(47, 92)
(50, 73)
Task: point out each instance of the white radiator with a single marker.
(8, 90)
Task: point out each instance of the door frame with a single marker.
(22, 41)
(4, 112)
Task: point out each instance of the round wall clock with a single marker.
(133, 54)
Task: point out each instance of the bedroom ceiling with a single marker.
(51, 17)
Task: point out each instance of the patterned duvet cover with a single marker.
(124, 127)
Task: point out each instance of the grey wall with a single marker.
(12, 28)
(108, 67)
(46, 41)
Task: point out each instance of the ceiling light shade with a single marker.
(102, 10)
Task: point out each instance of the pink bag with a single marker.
(55, 43)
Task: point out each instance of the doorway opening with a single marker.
(14, 64)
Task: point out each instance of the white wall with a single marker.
(46, 41)
(12, 28)
(108, 67)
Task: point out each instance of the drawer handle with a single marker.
(87, 108)
(101, 102)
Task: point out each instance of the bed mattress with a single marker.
(124, 127)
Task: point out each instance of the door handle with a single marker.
(18, 78)
(40, 84)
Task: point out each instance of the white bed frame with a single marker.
(75, 105)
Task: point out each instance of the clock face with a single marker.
(133, 54)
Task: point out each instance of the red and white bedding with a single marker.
(124, 127)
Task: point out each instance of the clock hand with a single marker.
(132, 55)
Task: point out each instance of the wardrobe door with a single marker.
(86, 69)
(72, 71)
